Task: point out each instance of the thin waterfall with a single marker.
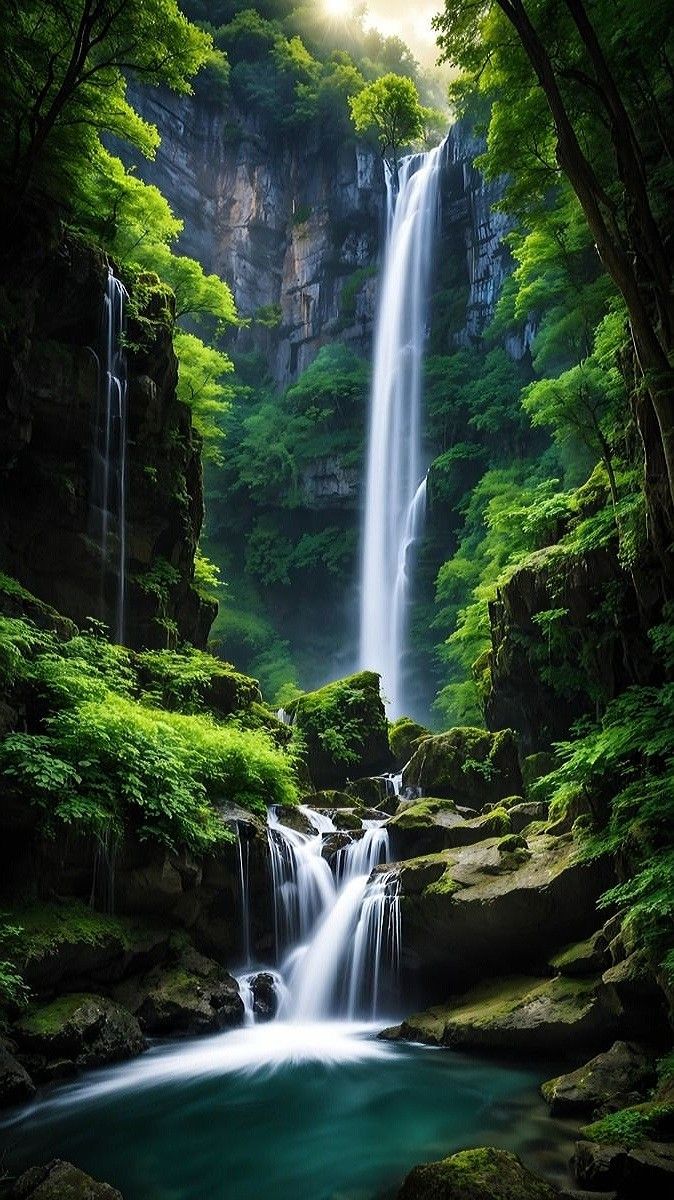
(395, 485)
(337, 928)
(110, 440)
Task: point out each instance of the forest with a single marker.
(336, 600)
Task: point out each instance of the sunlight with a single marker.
(338, 9)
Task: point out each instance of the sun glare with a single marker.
(338, 9)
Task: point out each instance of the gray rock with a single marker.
(76, 1031)
(60, 1180)
(645, 1171)
(612, 1080)
(523, 814)
(192, 995)
(16, 1084)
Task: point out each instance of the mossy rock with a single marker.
(520, 1014)
(330, 798)
(371, 791)
(58, 1180)
(404, 736)
(582, 958)
(470, 766)
(82, 1029)
(344, 728)
(537, 766)
(482, 1174)
(511, 843)
(192, 995)
(432, 824)
(618, 1077)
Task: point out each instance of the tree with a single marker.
(391, 107)
(587, 97)
(64, 67)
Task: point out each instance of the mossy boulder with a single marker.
(522, 814)
(193, 995)
(331, 798)
(470, 766)
(58, 1180)
(219, 687)
(344, 728)
(618, 1077)
(520, 1014)
(537, 766)
(294, 818)
(76, 1031)
(432, 824)
(404, 736)
(473, 912)
(16, 1084)
(482, 1174)
(373, 791)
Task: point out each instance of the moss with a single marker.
(444, 886)
(631, 1126)
(45, 927)
(467, 762)
(511, 843)
(422, 814)
(343, 726)
(475, 1175)
(403, 737)
(49, 1019)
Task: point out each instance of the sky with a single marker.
(409, 19)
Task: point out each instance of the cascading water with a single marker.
(337, 929)
(395, 486)
(109, 482)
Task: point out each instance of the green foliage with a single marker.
(342, 717)
(201, 386)
(107, 759)
(207, 578)
(392, 109)
(13, 990)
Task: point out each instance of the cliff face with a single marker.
(289, 226)
(53, 299)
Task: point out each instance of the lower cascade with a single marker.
(336, 922)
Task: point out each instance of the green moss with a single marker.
(444, 886)
(476, 1175)
(467, 762)
(343, 724)
(49, 1019)
(45, 927)
(514, 841)
(403, 736)
(631, 1126)
(423, 813)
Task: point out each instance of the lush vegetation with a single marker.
(119, 744)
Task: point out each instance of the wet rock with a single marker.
(294, 818)
(618, 1077)
(265, 1000)
(76, 1031)
(60, 1180)
(193, 995)
(483, 1174)
(467, 765)
(472, 912)
(519, 1014)
(16, 1084)
(537, 766)
(374, 790)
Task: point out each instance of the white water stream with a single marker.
(395, 485)
(336, 924)
(110, 439)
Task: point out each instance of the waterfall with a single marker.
(337, 930)
(110, 437)
(395, 484)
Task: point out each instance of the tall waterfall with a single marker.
(395, 486)
(337, 925)
(110, 438)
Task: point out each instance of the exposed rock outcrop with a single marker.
(76, 1031)
(618, 1077)
(49, 386)
(344, 729)
(191, 995)
(16, 1084)
(470, 766)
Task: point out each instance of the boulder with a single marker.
(16, 1084)
(373, 790)
(644, 1171)
(537, 766)
(404, 736)
(525, 812)
(429, 825)
(521, 1014)
(344, 728)
(470, 766)
(76, 1031)
(620, 1076)
(475, 912)
(483, 1174)
(294, 818)
(59, 1180)
(193, 995)
(265, 1000)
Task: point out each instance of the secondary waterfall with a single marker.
(336, 925)
(395, 484)
(109, 473)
